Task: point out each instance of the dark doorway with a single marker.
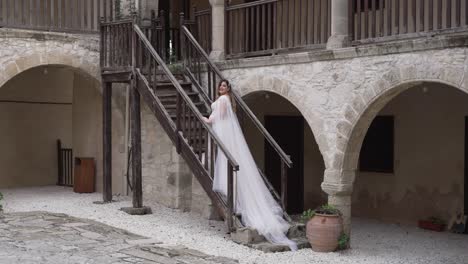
(466, 168)
(288, 131)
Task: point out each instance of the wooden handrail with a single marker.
(117, 22)
(185, 97)
(202, 12)
(285, 158)
(256, 3)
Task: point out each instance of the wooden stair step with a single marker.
(170, 84)
(174, 106)
(174, 95)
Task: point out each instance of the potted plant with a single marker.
(325, 228)
(432, 223)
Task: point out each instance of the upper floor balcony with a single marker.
(246, 28)
(262, 27)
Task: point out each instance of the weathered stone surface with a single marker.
(246, 236)
(35, 237)
(297, 230)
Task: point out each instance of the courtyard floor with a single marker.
(104, 234)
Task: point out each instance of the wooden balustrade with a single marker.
(116, 44)
(383, 19)
(270, 26)
(203, 28)
(56, 15)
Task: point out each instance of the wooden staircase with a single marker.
(179, 102)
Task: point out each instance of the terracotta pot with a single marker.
(323, 232)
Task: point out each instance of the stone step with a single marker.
(251, 238)
(268, 247)
(297, 230)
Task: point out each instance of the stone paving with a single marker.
(40, 237)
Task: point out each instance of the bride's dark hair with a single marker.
(229, 92)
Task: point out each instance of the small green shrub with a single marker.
(307, 215)
(437, 221)
(328, 210)
(323, 209)
(343, 241)
(176, 68)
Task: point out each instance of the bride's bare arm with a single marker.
(219, 112)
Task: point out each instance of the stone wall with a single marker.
(340, 91)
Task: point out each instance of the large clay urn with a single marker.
(323, 232)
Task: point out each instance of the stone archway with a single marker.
(287, 104)
(267, 83)
(43, 103)
(358, 115)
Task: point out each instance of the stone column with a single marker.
(339, 25)
(338, 184)
(217, 25)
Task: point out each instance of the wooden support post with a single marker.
(182, 40)
(59, 162)
(107, 141)
(135, 135)
(178, 122)
(284, 185)
(230, 197)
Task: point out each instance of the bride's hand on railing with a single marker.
(206, 120)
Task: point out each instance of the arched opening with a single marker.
(289, 128)
(412, 145)
(38, 107)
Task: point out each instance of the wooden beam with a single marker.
(118, 76)
(135, 134)
(107, 141)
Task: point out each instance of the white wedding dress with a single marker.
(254, 201)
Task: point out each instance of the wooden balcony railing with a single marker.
(56, 15)
(203, 28)
(116, 44)
(200, 26)
(374, 20)
(270, 26)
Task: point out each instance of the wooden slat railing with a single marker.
(271, 26)
(56, 15)
(200, 153)
(203, 28)
(65, 165)
(380, 20)
(205, 76)
(155, 30)
(116, 44)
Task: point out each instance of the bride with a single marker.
(253, 199)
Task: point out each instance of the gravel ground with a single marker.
(372, 242)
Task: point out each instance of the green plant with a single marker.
(436, 220)
(307, 215)
(328, 210)
(343, 241)
(323, 209)
(175, 67)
